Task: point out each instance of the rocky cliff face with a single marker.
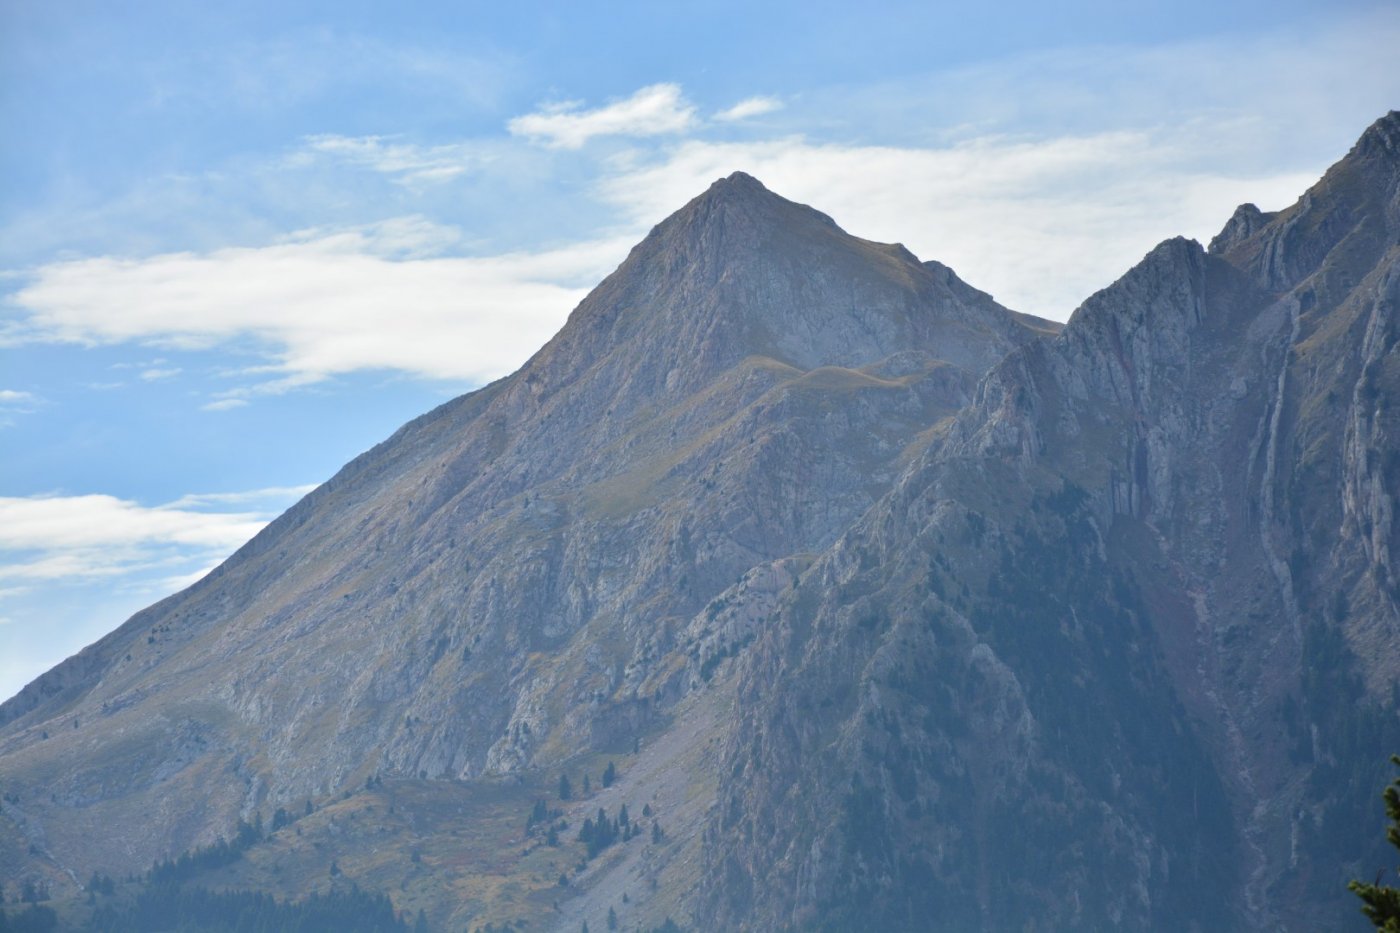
(1120, 650)
(909, 612)
(518, 577)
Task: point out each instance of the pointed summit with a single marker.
(741, 188)
(1246, 219)
(1381, 138)
(460, 600)
(1356, 204)
(738, 184)
(741, 205)
(742, 272)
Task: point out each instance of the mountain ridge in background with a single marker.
(892, 607)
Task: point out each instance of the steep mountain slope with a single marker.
(1120, 652)
(522, 576)
(893, 614)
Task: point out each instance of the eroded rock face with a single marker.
(521, 575)
(1105, 653)
(930, 617)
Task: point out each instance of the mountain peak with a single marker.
(1381, 138)
(740, 272)
(1357, 202)
(738, 183)
(740, 194)
(1246, 219)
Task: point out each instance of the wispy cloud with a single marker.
(410, 237)
(749, 107)
(15, 402)
(264, 496)
(652, 111)
(66, 537)
(405, 162)
(325, 303)
(155, 375)
(72, 566)
(224, 404)
(57, 540)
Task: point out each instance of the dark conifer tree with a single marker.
(1381, 903)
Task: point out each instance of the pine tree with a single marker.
(609, 775)
(612, 919)
(565, 790)
(1382, 902)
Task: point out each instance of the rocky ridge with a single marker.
(1166, 515)
(905, 606)
(531, 572)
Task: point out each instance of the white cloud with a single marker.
(749, 107)
(57, 523)
(58, 541)
(652, 111)
(410, 237)
(73, 566)
(1040, 223)
(180, 581)
(325, 303)
(155, 375)
(224, 404)
(194, 500)
(407, 163)
(15, 402)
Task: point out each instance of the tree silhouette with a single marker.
(1382, 902)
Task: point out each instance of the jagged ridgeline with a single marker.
(798, 585)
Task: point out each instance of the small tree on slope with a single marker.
(1382, 902)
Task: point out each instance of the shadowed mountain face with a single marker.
(1120, 651)
(905, 610)
(515, 578)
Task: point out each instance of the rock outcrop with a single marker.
(917, 613)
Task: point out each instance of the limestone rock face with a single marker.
(906, 611)
(513, 579)
(1119, 650)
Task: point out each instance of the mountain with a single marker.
(522, 575)
(889, 607)
(1120, 651)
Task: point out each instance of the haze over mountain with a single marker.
(895, 608)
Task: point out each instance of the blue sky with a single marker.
(241, 243)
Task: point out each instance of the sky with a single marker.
(242, 243)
